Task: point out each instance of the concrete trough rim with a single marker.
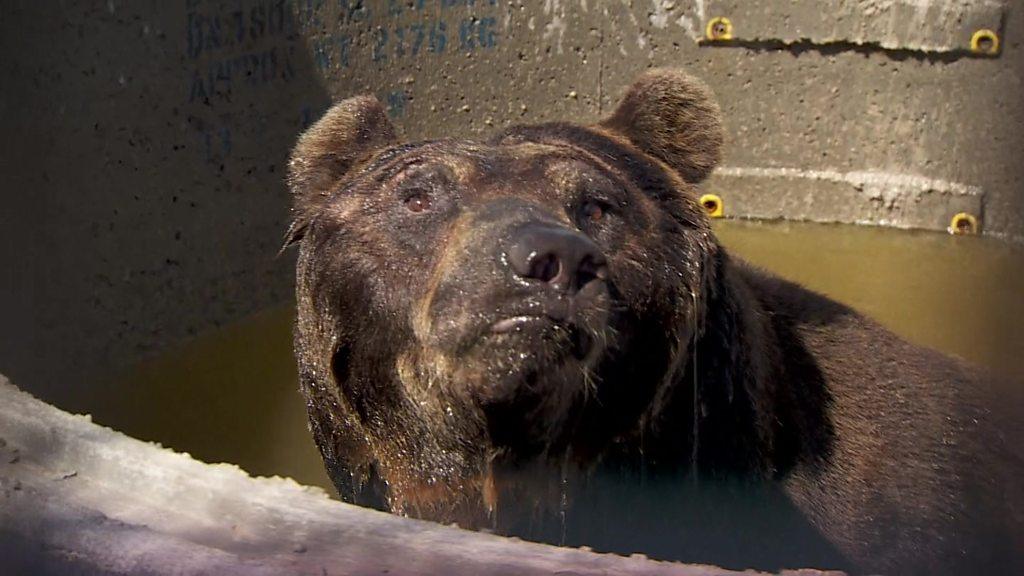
(81, 498)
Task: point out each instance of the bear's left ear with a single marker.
(674, 117)
(347, 135)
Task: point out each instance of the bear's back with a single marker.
(921, 469)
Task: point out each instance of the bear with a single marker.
(538, 334)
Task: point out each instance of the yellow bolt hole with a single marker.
(985, 41)
(719, 29)
(963, 224)
(713, 204)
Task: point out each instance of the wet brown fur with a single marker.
(704, 372)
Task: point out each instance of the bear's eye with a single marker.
(417, 201)
(593, 211)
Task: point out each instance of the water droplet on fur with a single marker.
(563, 500)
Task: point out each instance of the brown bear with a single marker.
(539, 334)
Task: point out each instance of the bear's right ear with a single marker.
(347, 135)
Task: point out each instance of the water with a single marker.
(231, 394)
(961, 295)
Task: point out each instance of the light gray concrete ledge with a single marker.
(78, 498)
(859, 197)
(924, 25)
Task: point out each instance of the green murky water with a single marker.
(961, 295)
(231, 394)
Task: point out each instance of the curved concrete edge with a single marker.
(79, 498)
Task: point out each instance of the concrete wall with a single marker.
(146, 140)
(142, 176)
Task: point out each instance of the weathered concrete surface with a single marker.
(842, 86)
(78, 498)
(925, 25)
(146, 140)
(137, 211)
(874, 198)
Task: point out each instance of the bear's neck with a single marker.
(731, 412)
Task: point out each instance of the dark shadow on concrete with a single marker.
(144, 195)
(832, 48)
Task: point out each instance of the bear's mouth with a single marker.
(522, 355)
(514, 323)
(581, 343)
(532, 345)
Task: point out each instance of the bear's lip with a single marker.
(582, 343)
(556, 311)
(509, 322)
(514, 322)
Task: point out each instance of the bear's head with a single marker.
(470, 305)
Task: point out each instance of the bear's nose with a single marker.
(556, 256)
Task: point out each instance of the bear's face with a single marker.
(461, 302)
